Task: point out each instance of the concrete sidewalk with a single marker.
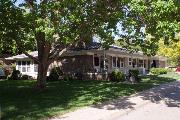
(169, 94)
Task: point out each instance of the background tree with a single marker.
(172, 51)
(148, 21)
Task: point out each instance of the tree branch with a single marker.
(58, 53)
(20, 47)
(31, 57)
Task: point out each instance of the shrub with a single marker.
(16, 75)
(135, 74)
(54, 74)
(78, 75)
(69, 76)
(117, 76)
(158, 71)
(24, 77)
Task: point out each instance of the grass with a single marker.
(19, 100)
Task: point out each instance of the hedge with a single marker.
(158, 71)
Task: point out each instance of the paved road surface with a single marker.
(165, 108)
(159, 103)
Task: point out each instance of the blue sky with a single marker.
(19, 2)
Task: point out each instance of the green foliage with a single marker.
(25, 77)
(56, 24)
(172, 51)
(135, 74)
(13, 29)
(117, 76)
(52, 27)
(147, 21)
(158, 71)
(54, 74)
(16, 75)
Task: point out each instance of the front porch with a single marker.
(106, 61)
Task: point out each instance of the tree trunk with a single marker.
(44, 48)
(42, 75)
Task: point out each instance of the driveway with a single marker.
(159, 103)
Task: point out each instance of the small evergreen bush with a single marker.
(135, 74)
(117, 76)
(54, 74)
(24, 77)
(16, 75)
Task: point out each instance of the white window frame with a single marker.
(121, 61)
(113, 62)
(118, 62)
(142, 64)
(26, 66)
(35, 65)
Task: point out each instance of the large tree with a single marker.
(54, 26)
(148, 21)
(172, 51)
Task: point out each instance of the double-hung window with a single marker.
(96, 61)
(144, 63)
(114, 63)
(28, 66)
(122, 62)
(134, 63)
(117, 62)
(141, 63)
(35, 67)
(23, 66)
(130, 61)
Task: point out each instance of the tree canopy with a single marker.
(172, 51)
(52, 26)
(146, 21)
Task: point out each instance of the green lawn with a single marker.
(18, 99)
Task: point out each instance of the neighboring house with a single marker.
(25, 65)
(94, 59)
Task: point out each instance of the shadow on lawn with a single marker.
(18, 99)
(169, 93)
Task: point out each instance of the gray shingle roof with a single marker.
(22, 56)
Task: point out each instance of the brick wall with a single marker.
(162, 64)
(81, 63)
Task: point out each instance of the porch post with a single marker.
(104, 57)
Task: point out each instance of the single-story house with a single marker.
(94, 59)
(25, 65)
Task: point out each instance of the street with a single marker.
(166, 106)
